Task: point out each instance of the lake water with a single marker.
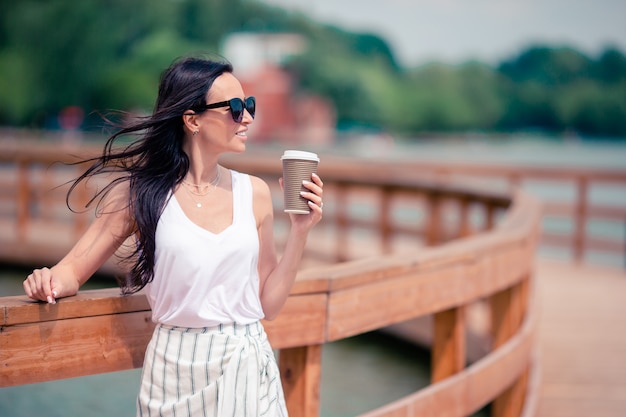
(532, 150)
(359, 373)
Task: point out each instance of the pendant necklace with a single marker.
(194, 189)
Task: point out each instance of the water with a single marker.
(529, 150)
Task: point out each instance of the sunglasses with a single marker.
(237, 107)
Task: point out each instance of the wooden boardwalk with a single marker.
(581, 332)
(582, 339)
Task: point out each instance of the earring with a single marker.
(195, 132)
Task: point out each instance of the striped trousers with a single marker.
(223, 371)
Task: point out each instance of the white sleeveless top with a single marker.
(202, 279)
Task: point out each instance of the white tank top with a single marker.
(202, 279)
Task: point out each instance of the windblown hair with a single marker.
(155, 162)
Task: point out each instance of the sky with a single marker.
(454, 31)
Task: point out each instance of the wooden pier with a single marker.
(556, 329)
(582, 339)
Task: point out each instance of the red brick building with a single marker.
(283, 114)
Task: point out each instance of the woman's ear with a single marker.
(190, 119)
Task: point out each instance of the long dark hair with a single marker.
(154, 163)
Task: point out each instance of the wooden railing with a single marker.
(28, 199)
(573, 198)
(484, 253)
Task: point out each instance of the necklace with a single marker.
(190, 188)
(212, 183)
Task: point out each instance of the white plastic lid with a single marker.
(291, 154)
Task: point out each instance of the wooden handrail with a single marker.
(100, 331)
(578, 212)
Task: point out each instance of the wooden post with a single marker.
(341, 223)
(300, 370)
(46, 197)
(490, 216)
(448, 351)
(507, 309)
(81, 220)
(465, 228)
(384, 216)
(580, 217)
(433, 232)
(500, 317)
(23, 199)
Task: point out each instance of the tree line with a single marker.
(101, 55)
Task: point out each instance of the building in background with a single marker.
(284, 114)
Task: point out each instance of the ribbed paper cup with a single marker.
(297, 167)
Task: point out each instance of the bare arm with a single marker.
(276, 277)
(103, 237)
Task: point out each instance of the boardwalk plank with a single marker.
(582, 340)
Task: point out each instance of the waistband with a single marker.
(234, 329)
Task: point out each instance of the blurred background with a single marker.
(531, 82)
(324, 69)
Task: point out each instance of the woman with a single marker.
(204, 248)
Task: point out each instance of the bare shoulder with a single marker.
(262, 197)
(114, 209)
(259, 186)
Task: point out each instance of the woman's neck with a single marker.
(203, 166)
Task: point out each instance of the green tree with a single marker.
(108, 54)
(610, 67)
(548, 66)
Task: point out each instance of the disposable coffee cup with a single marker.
(297, 167)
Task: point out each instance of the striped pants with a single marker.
(223, 371)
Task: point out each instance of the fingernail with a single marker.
(50, 300)
(54, 294)
(302, 193)
(305, 182)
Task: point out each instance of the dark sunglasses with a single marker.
(237, 107)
